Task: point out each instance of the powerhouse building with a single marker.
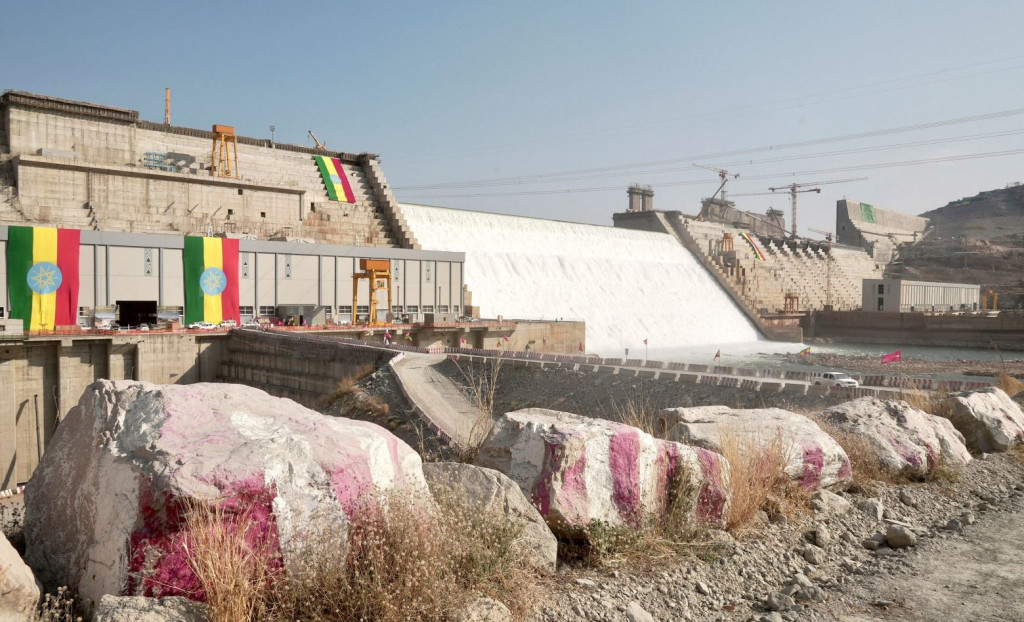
(898, 295)
(304, 217)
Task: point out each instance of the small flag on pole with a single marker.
(645, 342)
(718, 355)
(462, 340)
(892, 357)
(408, 337)
(581, 346)
(505, 338)
(805, 351)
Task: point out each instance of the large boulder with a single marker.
(904, 439)
(143, 609)
(814, 459)
(19, 590)
(487, 492)
(988, 418)
(577, 470)
(104, 511)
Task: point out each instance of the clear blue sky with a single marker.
(450, 92)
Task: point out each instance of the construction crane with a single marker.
(724, 175)
(319, 145)
(795, 189)
(828, 266)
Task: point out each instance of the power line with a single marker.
(865, 167)
(505, 181)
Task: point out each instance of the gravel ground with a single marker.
(920, 367)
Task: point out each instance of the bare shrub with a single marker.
(59, 607)
(757, 478)
(405, 559)
(231, 559)
(481, 380)
(349, 384)
(637, 411)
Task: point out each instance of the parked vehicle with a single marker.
(837, 379)
(202, 326)
(251, 324)
(229, 324)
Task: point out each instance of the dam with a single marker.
(628, 286)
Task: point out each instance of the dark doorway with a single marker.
(135, 312)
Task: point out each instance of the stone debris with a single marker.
(143, 609)
(577, 470)
(814, 458)
(106, 498)
(19, 590)
(487, 492)
(988, 419)
(484, 609)
(900, 536)
(905, 439)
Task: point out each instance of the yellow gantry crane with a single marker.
(378, 271)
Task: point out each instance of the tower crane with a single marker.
(320, 146)
(724, 175)
(795, 189)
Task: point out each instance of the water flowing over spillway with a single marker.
(627, 285)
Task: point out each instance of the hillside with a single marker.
(978, 239)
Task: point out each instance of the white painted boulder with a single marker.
(814, 459)
(143, 609)
(19, 590)
(104, 509)
(577, 470)
(486, 493)
(988, 418)
(905, 439)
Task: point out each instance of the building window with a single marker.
(881, 304)
(345, 310)
(881, 289)
(396, 308)
(442, 309)
(245, 311)
(413, 308)
(3, 312)
(362, 308)
(455, 309)
(428, 308)
(267, 310)
(287, 266)
(239, 194)
(263, 214)
(245, 264)
(147, 261)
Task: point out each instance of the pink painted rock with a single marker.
(813, 458)
(905, 439)
(988, 418)
(577, 470)
(103, 511)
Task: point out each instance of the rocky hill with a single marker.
(978, 239)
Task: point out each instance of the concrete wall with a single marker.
(42, 379)
(898, 295)
(876, 230)
(895, 329)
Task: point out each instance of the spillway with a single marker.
(627, 285)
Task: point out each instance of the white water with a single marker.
(627, 285)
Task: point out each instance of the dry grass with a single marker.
(638, 412)
(653, 539)
(1011, 385)
(406, 559)
(758, 479)
(481, 380)
(59, 607)
(931, 402)
(349, 384)
(868, 470)
(1017, 453)
(233, 564)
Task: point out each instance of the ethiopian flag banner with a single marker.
(335, 179)
(211, 279)
(42, 276)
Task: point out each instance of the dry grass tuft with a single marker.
(931, 402)
(868, 470)
(757, 479)
(1011, 385)
(406, 559)
(59, 607)
(233, 564)
(481, 382)
(1017, 453)
(349, 385)
(653, 539)
(637, 411)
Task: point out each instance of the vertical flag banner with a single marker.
(211, 279)
(335, 179)
(42, 276)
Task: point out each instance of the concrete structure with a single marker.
(877, 231)
(903, 329)
(147, 269)
(86, 166)
(772, 223)
(898, 295)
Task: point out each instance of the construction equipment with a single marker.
(224, 159)
(319, 145)
(828, 234)
(793, 191)
(378, 272)
(723, 174)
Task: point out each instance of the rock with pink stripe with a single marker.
(988, 418)
(814, 459)
(104, 509)
(577, 470)
(904, 439)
